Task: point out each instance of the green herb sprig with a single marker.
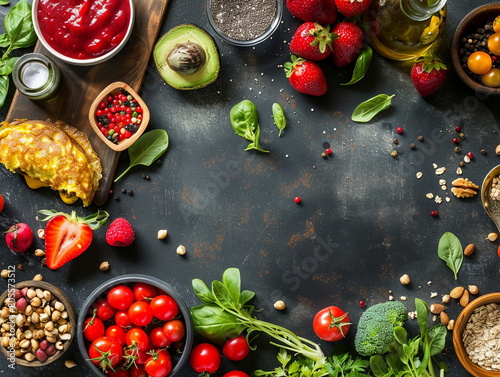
(19, 33)
(147, 149)
(226, 313)
(366, 110)
(279, 117)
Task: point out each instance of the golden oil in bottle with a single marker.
(405, 29)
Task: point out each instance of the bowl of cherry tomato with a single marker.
(135, 323)
(475, 49)
(83, 33)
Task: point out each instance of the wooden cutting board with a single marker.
(80, 86)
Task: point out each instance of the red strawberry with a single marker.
(68, 236)
(349, 43)
(428, 75)
(322, 11)
(306, 77)
(352, 8)
(312, 41)
(120, 233)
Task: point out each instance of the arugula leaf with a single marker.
(147, 149)
(362, 64)
(450, 250)
(366, 110)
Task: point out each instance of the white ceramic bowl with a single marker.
(82, 62)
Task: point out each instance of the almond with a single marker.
(436, 308)
(446, 299)
(451, 324)
(469, 250)
(445, 319)
(465, 299)
(457, 292)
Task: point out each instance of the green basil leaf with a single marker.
(362, 64)
(7, 65)
(4, 40)
(4, 2)
(279, 117)
(19, 25)
(147, 149)
(245, 122)
(366, 110)
(202, 291)
(215, 324)
(437, 339)
(422, 310)
(256, 144)
(4, 89)
(246, 296)
(450, 250)
(232, 281)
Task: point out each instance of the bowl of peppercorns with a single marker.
(475, 49)
(118, 116)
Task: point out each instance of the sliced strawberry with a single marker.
(68, 236)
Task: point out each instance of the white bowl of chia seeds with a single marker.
(244, 23)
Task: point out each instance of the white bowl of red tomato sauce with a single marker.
(83, 32)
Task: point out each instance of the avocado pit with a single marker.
(186, 58)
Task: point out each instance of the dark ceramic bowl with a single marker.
(476, 18)
(178, 359)
(458, 330)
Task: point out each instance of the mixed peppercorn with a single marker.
(119, 116)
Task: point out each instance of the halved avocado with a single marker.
(187, 57)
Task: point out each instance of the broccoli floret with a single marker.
(375, 330)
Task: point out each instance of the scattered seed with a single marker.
(41, 233)
(405, 279)
(181, 250)
(395, 141)
(38, 277)
(412, 146)
(420, 138)
(394, 153)
(69, 363)
(39, 253)
(104, 266)
(279, 305)
(492, 237)
(459, 170)
(162, 233)
(440, 171)
(419, 175)
(483, 151)
(456, 149)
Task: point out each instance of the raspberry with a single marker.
(120, 233)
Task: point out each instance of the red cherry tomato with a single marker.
(236, 373)
(104, 310)
(93, 328)
(106, 353)
(159, 364)
(116, 332)
(120, 297)
(164, 307)
(331, 323)
(236, 349)
(205, 357)
(144, 291)
(174, 330)
(140, 313)
(122, 319)
(118, 373)
(137, 371)
(158, 338)
(137, 337)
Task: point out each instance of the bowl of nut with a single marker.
(475, 336)
(37, 323)
(475, 49)
(134, 320)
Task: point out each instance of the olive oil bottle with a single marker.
(405, 29)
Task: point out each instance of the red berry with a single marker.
(348, 45)
(120, 233)
(428, 75)
(324, 12)
(328, 151)
(470, 155)
(434, 213)
(305, 77)
(312, 41)
(458, 129)
(399, 130)
(455, 140)
(361, 304)
(297, 199)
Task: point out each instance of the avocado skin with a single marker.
(181, 34)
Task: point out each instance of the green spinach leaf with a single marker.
(366, 110)
(279, 117)
(147, 149)
(422, 310)
(450, 250)
(362, 64)
(245, 122)
(437, 339)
